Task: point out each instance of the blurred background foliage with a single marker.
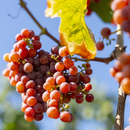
(11, 116)
(100, 111)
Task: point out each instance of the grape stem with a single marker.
(103, 60)
(115, 31)
(43, 30)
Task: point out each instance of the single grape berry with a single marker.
(89, 97)
(105, 32)
(99, 46)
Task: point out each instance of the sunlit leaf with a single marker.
(73, 30)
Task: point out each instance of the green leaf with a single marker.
(74, 33)
(103, 10)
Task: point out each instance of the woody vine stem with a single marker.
(119, 48)
(119, 120)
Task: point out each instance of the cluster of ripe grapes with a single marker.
(121, 72)
(89, 11)
(47, 82)
(121, 14)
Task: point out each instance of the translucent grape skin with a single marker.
(64, 87)
(85, 78)
(65, 116)
(29, 118)
(100, 46)
(74, 78)
(30, 112)
(32, 75)
(23, 52)
(119, 76)
(79, 98)
(73, 70)
(63, 51)
(38, 116)
(66, 98)
(105, 32)
(53, 103)
(54, 50)
(59, 66)
(118, 18)
(43, 59)
(55, 94)
(37, 44)
(126, 26)
(46, 96)
(118, 4)
(88, 71)
(38, 108)
(113, 71)
(125, 83)
(89, 97)
(28, 67)
(31, 33)
(60, 79)
(126, 71)
(25, 33)
(31, 92)
(73, 86)
(20, 87)
(34, 38)
(88, 86)
(30, 84)
(52, 112)
(31, 101)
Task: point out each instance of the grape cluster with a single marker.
(121, 14)
(47, 81)
(66, 84)
(27, 70)
(121, 72)
(89, 11)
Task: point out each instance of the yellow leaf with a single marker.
(73, 30)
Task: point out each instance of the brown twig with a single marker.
(43, 30)
(103, 60)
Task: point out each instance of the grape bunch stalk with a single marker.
(47, 81)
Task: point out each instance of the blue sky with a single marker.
(9, 27)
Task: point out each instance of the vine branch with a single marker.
(119, 120)
(43, 30)
(103, 60)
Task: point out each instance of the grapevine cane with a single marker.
(119, 120)
(43, 30)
